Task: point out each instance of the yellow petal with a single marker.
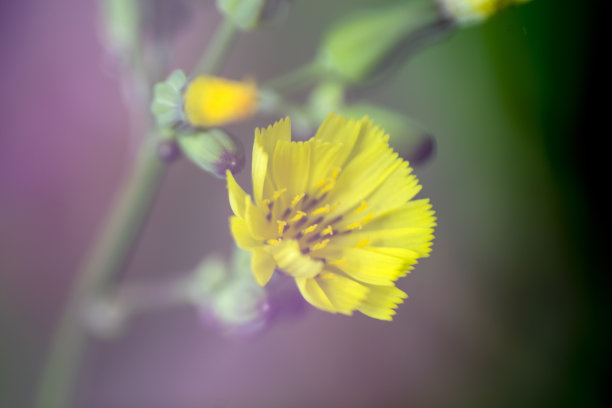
(290, 259)
(237, 196)
(259, 171)
(213, 101)
(263, 265)
(292, 166)
(344, 293)
(372, 267)
(364, 173)
(259, 226)
(241, 234)
(314, 295)
(381, 302)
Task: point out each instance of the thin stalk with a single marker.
(106, 260)
(111, 252)
(217, 49)
(302, 77)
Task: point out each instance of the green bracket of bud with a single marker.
(245, 14)
(213, 150)
(167, 105)
(356, 46)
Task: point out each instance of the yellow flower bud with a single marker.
(466, 12)
(213, 101)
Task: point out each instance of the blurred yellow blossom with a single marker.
(213, 101)
(474, 11)
(336, 213)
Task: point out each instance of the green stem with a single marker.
(111, 252)
(107, 259)
(217, 48)
(299, 78)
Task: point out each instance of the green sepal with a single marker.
(167, 105)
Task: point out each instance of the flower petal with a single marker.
(372, 267)
(313, 294)
(344, 293)
(292, 166)
(290, 259)
(237, 196)
(263, 266)
(242, 236)
(381, 301)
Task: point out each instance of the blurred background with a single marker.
(507, 311)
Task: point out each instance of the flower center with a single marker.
(309, 219)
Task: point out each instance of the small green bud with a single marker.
(167, 105)
(207, 279)
(213, 150)
(355, 47)
(248, 14)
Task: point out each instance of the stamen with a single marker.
(317, 220)
(353, 226)
(275, 242)
(328, 187)
(328, 231)
(368, 218)
(340, 261)
(314, 238)
(305, 251)
(286, 213)
(335, 173)
(297, 199)
(298, 216)
(363, 242)
(278, 193)
(321, 210)
(281, 226)
(308, 230)
(320, 245)
(335, 220)
(361, 207)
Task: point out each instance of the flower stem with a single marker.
(299, 78)
(111, 252)
(217, 48)
(107, 259)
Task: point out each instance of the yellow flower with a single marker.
(473, 11)
(336, 213)
(213, 101)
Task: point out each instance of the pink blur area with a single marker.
(65, 144)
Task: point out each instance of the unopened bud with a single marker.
(213, 150)
(167, 105)
(355, 47)
(468, 12)
(213, 101)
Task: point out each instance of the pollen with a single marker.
(353, 226)
(298, 216)
(320, 245)
(297, 199)
(362, 207)
(281, 227)
(328, 231)
(278, 193)
(309, 229)
(322, 210)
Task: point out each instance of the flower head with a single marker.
(336, 213)
(205, 101)
(467, 12)
(213, 101)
